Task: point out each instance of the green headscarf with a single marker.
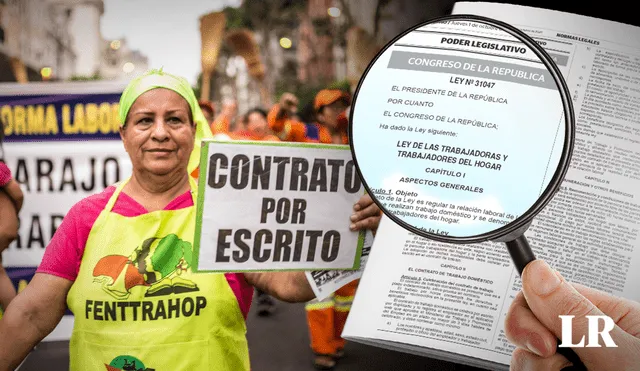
(154, 79)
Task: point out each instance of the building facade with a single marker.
(37, 34)
(119, 62)
(61, 40)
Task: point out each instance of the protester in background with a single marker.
(283, 120)
(221, 123)
(224, 122)
(326, 318)
(330, 109)
(331, 116)
(251, 126)
(11, 199)
(132, 244)
(256, 127)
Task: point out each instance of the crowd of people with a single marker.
(122, 254)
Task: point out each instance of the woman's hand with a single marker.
(290, 287)
(366, 214)
(533, 323)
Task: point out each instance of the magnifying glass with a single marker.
(462, 130)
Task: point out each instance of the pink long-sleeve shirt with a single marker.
(5, 174)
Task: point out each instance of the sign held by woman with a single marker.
(276, 206)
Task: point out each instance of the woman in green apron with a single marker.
(121, 259)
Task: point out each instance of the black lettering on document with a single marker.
(67, 171)
(245, 251)
(261, 172)
(217, 162)
(268, 206)
(257, 246)
(317, 275)
(282, 246)
(240, 167)
(298, 214)
(110, 166)
(222, 245)
(313, 242)
(22, 175)
(330, 246)
(299, 168)
(69, 179)
(36, 235)
(352, 182)
(297, 250)
(335, 173)
(282, 165)
(44, 168)
(283, 210)
(318, 176)
(35, 232)
(287, 245)
(105, 180)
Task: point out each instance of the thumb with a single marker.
(550, 296)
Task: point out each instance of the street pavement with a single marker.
(279, 342)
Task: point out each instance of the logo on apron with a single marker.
(158, 263)
(127, 363)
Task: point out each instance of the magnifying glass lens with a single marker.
(458, 129)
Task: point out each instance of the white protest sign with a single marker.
(276, 206)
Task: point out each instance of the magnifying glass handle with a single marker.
(521, 254)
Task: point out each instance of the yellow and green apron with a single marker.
(138, 305)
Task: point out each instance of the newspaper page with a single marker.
(450, 301)
(324, 283)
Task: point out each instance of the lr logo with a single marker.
(567, 332)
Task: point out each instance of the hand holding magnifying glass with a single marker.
(462, 130)
(532, 325)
